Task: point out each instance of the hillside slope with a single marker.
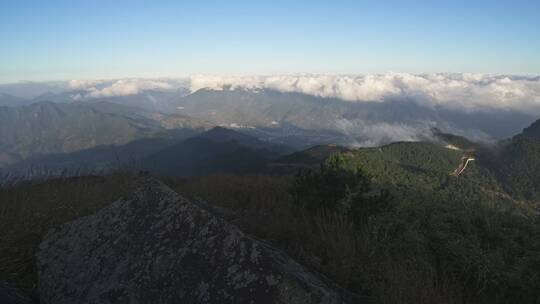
(520, 163)
(422, 172)
(45, 128)
(216, 150)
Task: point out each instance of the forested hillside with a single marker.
(520, 163)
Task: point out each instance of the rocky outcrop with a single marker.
(158, 247)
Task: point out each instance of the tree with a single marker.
(336, 187)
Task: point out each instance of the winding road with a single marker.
(463, 165)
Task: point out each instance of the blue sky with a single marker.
(56, 40)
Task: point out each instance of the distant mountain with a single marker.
(47, 128)
(220, 135)
(299, 138)
(167, 121)
(217, 150)
(156, 101)
(310, 158)
(29, 89)
(533, 131)
(98, 159)
(362, 123)
(149, 100)
(181, 151)
(120, 110)
(178, 121)
(305, 120)
(519, 163)
(7, 100)
(64, 96)
(313, 155)
(454, 141)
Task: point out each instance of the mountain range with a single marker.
(46, 128)
(362, 123)
(72, 129)
(359, 121)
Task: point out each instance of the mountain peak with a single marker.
(533, 130)
(221, 134)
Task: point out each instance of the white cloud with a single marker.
(371, 134)
(122, 87)
(467, 92)
(382, 133)
(455, 91)
(83, 84)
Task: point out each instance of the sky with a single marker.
(62, 40)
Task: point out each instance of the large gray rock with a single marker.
(157, 247)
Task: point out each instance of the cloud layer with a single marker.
(122, 87)
(467, 92)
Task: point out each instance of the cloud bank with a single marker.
(122, 87)
(466, 92)
(363, 134)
